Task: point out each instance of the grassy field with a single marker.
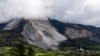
(4, 51)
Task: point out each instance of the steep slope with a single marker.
(49, 34)
(74, 31)
(39, 33)
(78, 35)
(15, 25)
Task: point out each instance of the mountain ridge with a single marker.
(51, 33)
(36, 32)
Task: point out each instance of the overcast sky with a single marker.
(73, 11)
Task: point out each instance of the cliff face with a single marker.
(41, 34)
(75, 31)
(15, 25)
(48, 34)
(12, 25)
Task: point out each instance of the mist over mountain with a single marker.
(50, 24)
(85, 12)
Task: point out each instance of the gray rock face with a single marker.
(12, 25)
(73, 33)
(41, 34)
(76, 33)
(38, 33)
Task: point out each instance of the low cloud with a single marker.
(74, 11)
(23, 8)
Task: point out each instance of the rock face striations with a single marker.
(75, 31)
(39, 33)
(48, 34)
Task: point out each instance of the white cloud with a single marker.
(74, 11)
(88, 13)
(23, 8)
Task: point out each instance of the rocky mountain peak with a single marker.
(39, 33)
(49, 34)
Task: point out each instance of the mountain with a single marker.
(39, 33)
(78, 35)
(74, 31)
(48, 34)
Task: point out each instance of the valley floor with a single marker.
(4, 51)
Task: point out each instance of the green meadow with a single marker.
(5, 51)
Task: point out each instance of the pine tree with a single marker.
(18, 50)
(31, 52)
